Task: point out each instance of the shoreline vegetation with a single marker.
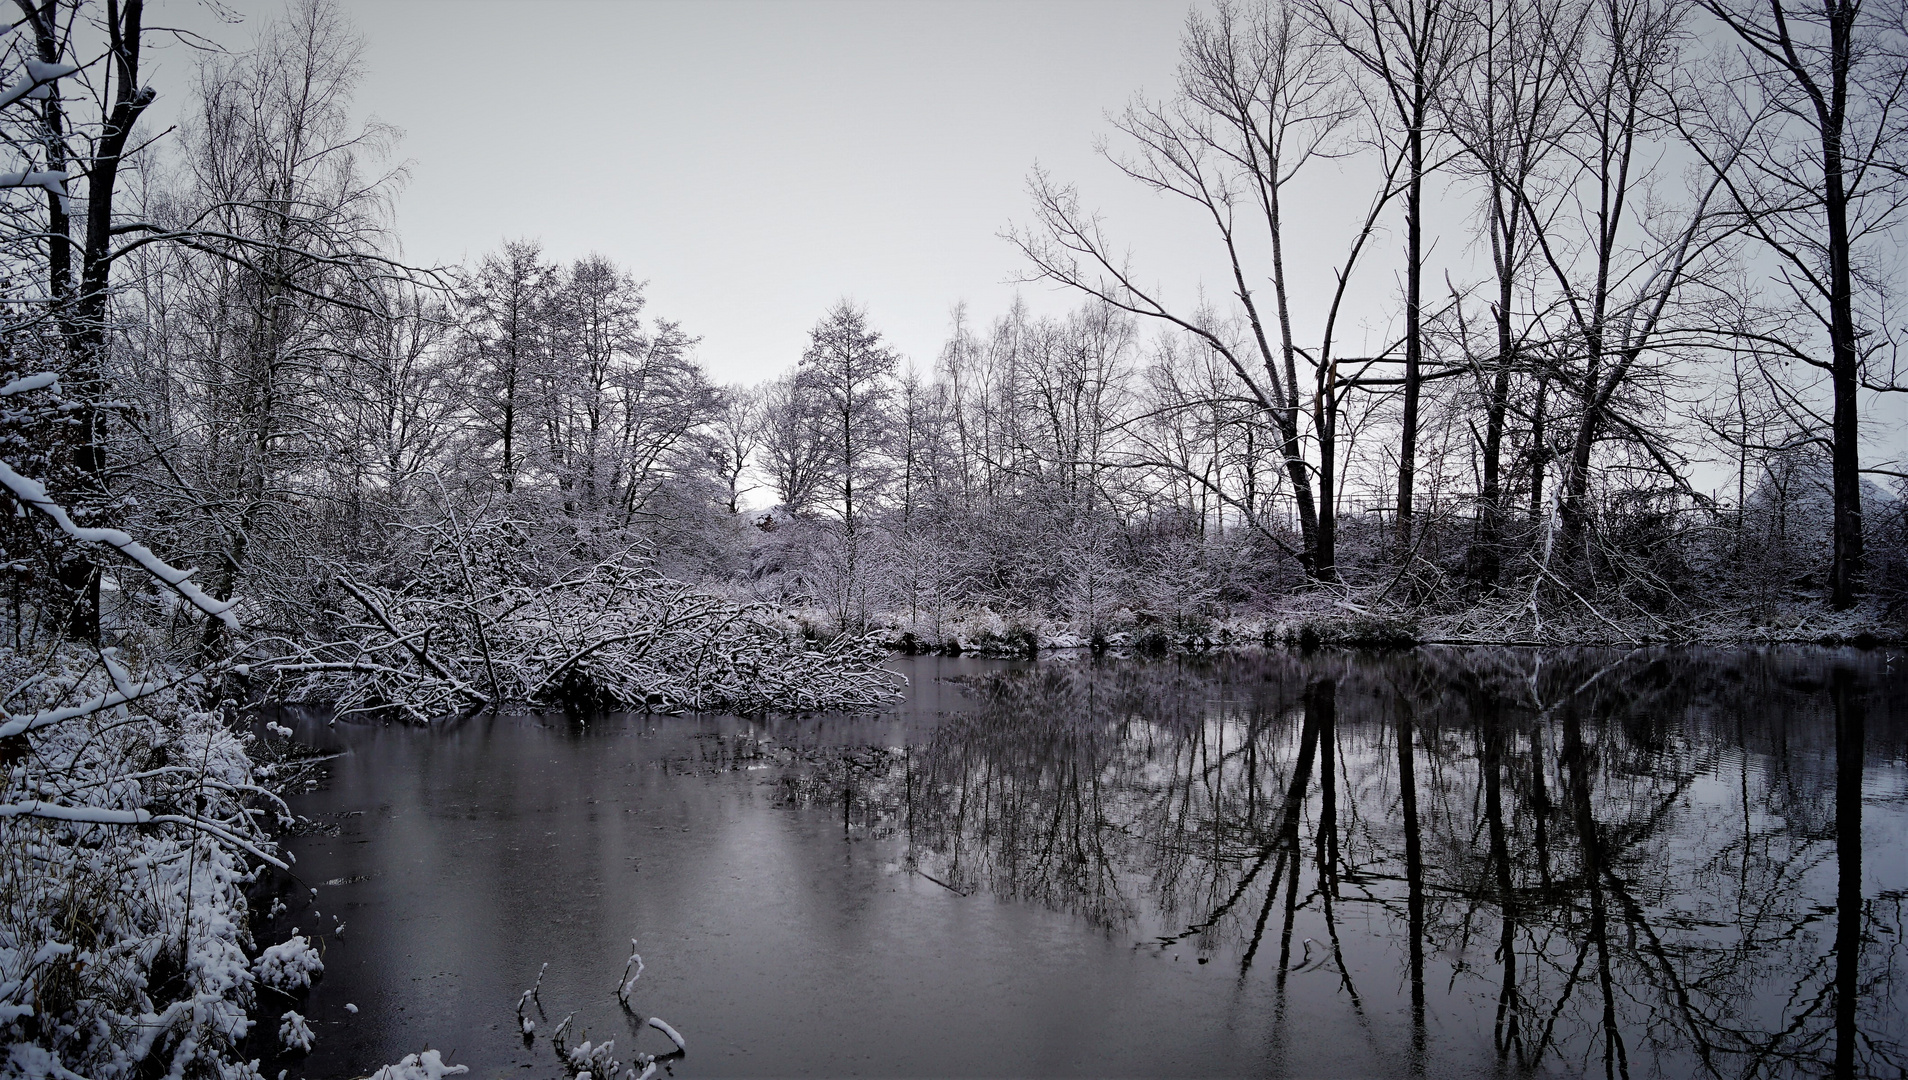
(987, 633)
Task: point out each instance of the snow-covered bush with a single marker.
(289, 965)
(125, 830)
(294, 1033)
(477, 617)
(428, 1065)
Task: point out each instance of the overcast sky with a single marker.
(757, 161)
(754, 161)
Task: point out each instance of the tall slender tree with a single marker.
(1823, 88)
(509, 309)
(1410, 49)
(852, 377)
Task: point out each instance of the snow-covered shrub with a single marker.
(475, 618)
(122, 949)
(294, 1033)
(428, 1065)
(130, 814)
(596, 1061)
(289, 965)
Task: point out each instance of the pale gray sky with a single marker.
(754, 161)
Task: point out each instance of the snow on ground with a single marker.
(124, 951)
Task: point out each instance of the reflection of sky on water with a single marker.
(1030, 888)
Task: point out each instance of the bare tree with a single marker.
(794, 451)
(737, 438)
(393, 406)
(508, 309)
(285, 227)
(664, 400)
(1823, 92)
(74, 150)
(1507, 108)
(1256, 103)
(1411, 50)
(603, 305)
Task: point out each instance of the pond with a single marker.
(1438, 862)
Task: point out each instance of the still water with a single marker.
(1437, 863)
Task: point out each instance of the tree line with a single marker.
(1631, 263)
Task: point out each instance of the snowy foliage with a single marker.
(122, 950)
(428, 1065)
(290, 965)
(477, 618)
(294, 1033)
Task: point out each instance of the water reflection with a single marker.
(1438, 863)
(1640, 863)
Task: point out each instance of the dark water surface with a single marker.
(1438, 863)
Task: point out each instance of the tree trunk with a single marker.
(1845, 569)
(81, 315)
(1414, 329)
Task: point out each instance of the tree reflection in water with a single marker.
(1646, 862)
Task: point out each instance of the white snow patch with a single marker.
(290, 964)
(294, 1033)
(31, 382)
(428, 1065)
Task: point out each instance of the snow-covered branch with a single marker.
(438, 640)
(33, 493)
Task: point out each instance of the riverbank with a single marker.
(1342, 621)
